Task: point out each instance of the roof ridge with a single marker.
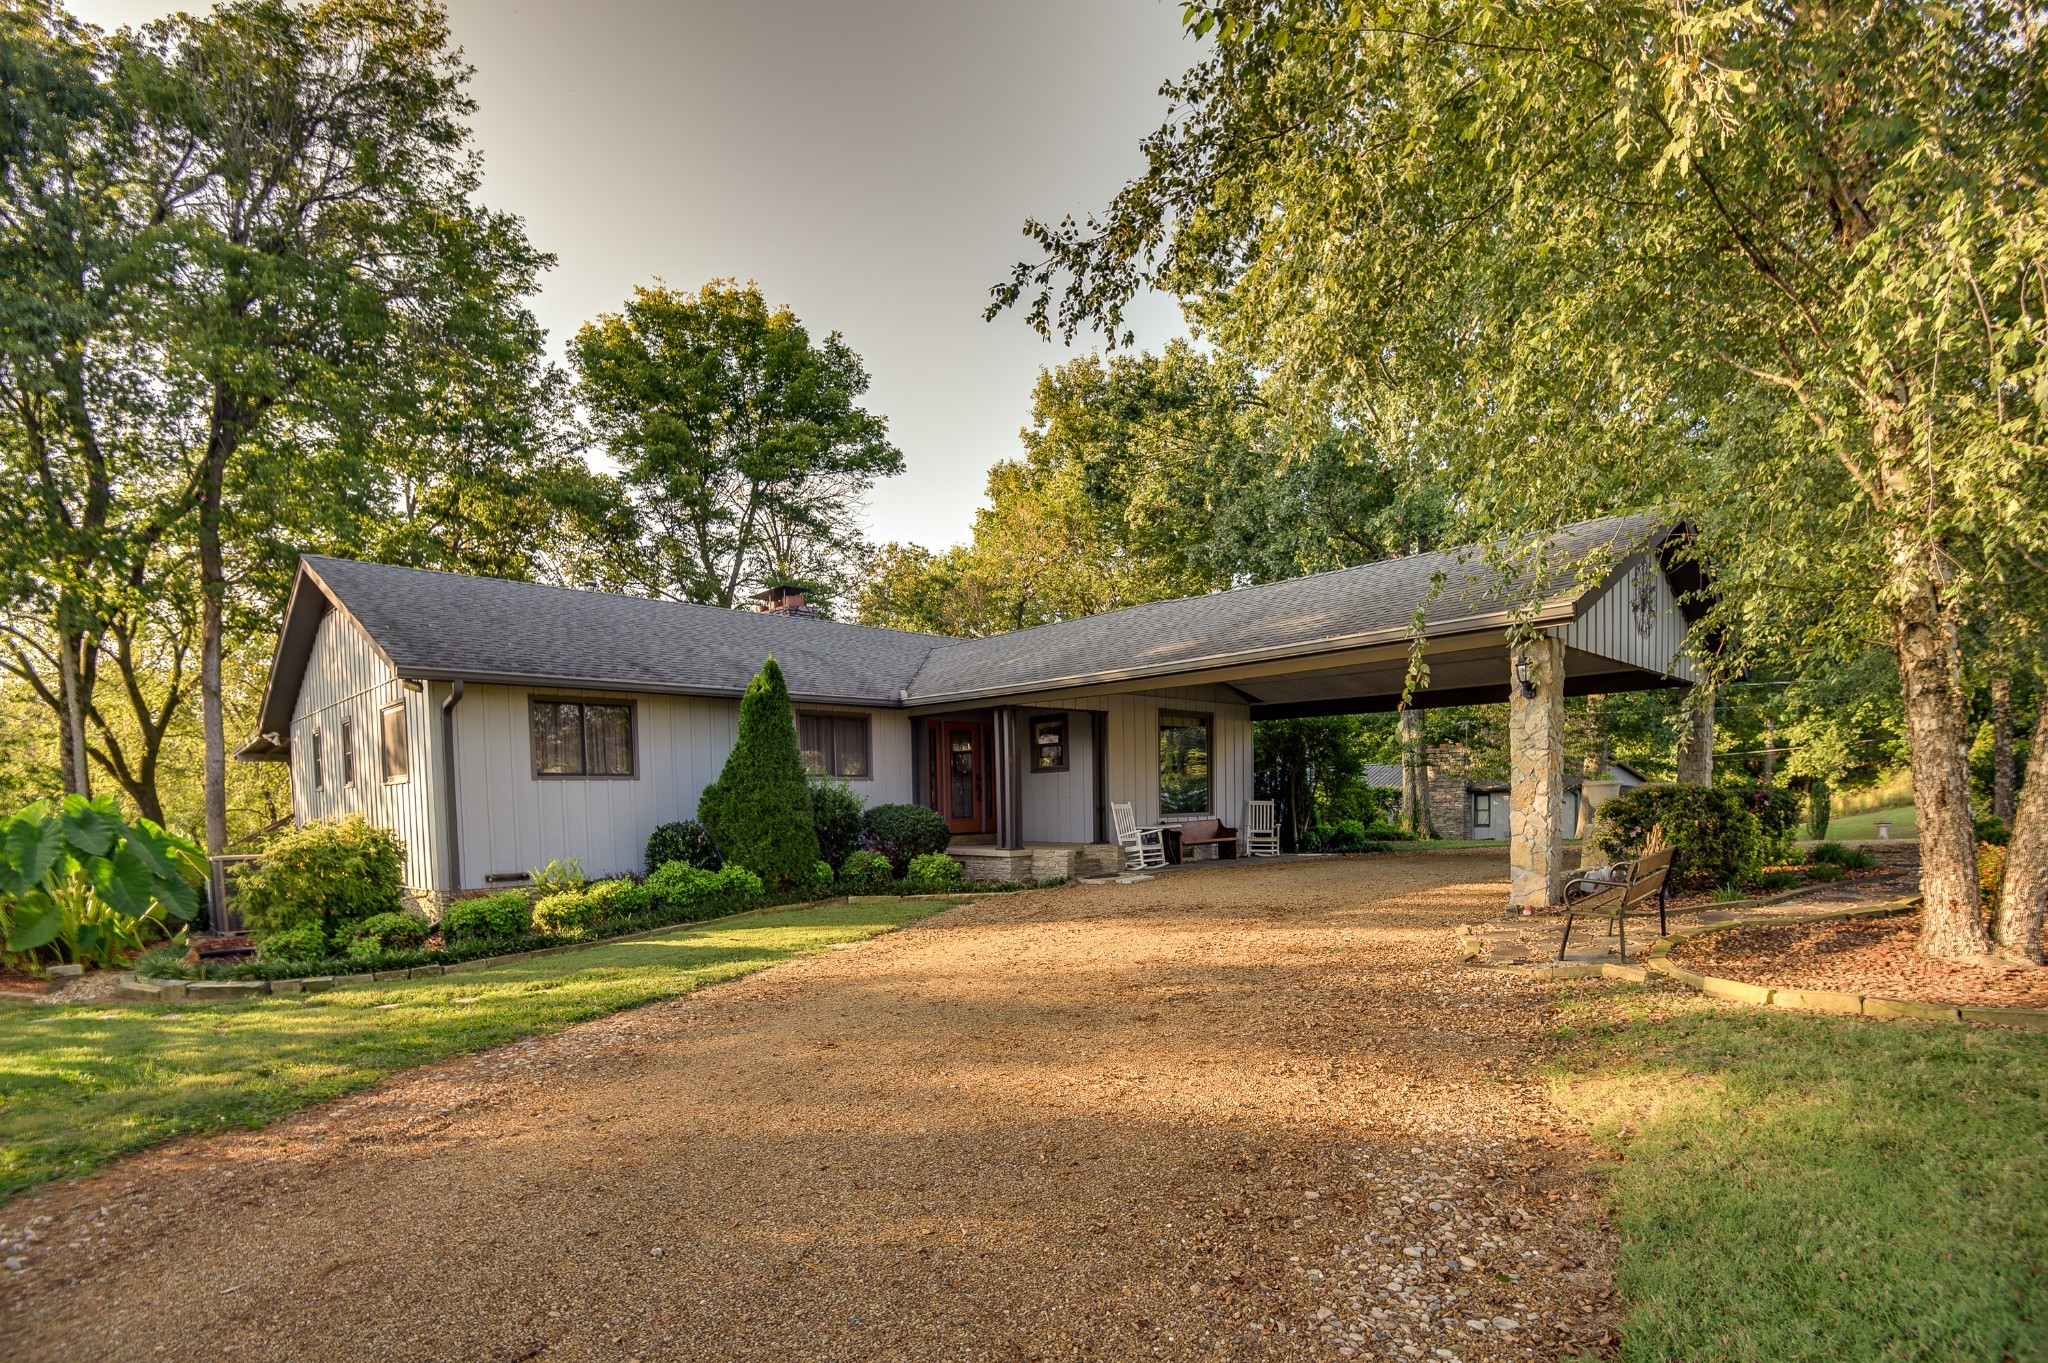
(615, 596)
(1459, 551)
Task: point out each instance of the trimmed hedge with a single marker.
(686, 893)
(936, 869)
(306, 942)
(685, 842)
(384, 931)
(836, 815)
(900, 832)
(759, 809)
(327, 874)
(866, 873)
(491, 917)
(1719, 840)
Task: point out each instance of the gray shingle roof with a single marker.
(446, 625)
(1376, 599)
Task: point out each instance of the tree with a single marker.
(1147, 477)
(267, 318)
(1781, 270)
(738, 438)
(758, 812)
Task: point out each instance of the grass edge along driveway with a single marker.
(83, 1084)
(1797, 1187)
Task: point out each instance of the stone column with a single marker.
(1696, 737)
(1536, 776)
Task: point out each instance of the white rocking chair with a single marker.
(1261, 828)
(1144, 848)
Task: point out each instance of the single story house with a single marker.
(497, 725)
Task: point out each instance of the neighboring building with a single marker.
(497, 725)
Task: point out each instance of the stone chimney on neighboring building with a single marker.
(785, 598)
(1449, 807)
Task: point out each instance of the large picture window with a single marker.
(1183, 764)
(835, 745)
(394, 754)
(581, 738)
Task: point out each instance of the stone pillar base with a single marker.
(1536, 777)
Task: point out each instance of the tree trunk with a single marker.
(1696, 737)
(2001, 749)
(2017, 925)
(1937, 738)
(212, 602)
(1415, 775)
(77, 775)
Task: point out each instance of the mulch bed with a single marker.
(1859, 956)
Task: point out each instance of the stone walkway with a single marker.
(1248, 1111)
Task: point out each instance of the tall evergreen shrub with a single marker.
(758, 812)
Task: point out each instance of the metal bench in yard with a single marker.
(1618, 893)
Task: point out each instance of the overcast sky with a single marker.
(868, 161)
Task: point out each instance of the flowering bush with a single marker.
(1719, 841)
(1777, 815)
(866, 873)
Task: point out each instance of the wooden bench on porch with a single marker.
(1207, 833)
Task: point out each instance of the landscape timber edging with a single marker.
(136, 989)
(1827, 1000)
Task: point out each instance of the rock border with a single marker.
(1825, 1000)
(136, 989)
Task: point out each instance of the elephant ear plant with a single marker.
(79, 883)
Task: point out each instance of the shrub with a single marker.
(566, 913)
(325, 873)
(1771, 882)
(759, 809)
(1347, 835)
(620, 898)
(1990, 871)
(1777, 816)
(1992, 829)
(820, 882)
(487, 917)
(563, 873)
(686, 842)
(836, 815)
(1848, 858)
(866, 873)
(681, 891)
(1825, 873)
(306, 942)
(1719, 841)
(900, 832)
(383, 932)
(81, 884)
(936, 870)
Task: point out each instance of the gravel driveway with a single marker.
(1249, 1111)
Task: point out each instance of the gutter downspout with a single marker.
(454, 698)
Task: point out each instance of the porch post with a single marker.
(1536, 775)
(1098, 750)
(1009, 821)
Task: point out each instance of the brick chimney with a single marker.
(785, 598)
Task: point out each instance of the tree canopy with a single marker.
(738, 438)
(1779, 270)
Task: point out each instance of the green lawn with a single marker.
(1795, 1187)
(1857, 827)
(81, 1085)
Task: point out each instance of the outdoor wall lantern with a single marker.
(1523, 669)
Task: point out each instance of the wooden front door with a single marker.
(961, 782)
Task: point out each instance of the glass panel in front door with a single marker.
(960, 774)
